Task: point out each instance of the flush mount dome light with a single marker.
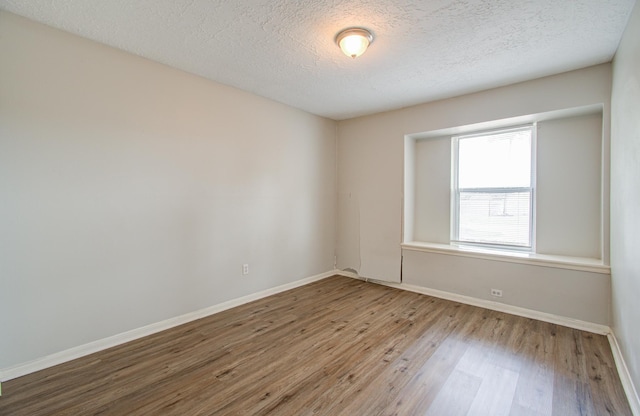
(354, 41)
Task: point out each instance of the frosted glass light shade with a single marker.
(354, 42)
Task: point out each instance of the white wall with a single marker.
(569, 191)
(625, 195)
(132, 192)
(432, 190)
(370, 178)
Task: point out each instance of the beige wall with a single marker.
(569, 191)
(132, 192)
(625, 195)
(567, 293)
(370, 195)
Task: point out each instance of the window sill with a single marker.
(544, 260)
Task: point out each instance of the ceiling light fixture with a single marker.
(354, 41)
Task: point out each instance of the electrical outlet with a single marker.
(245, 269)
(496, 293)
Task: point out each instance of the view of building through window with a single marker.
(493, 190)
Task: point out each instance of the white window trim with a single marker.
(455, 192)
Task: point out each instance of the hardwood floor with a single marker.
(337, 347)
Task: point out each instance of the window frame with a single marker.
(455, 191)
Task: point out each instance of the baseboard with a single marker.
(495, 306)
(118, 339)
(625, 376)
(350, 274)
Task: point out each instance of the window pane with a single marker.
(498, 218)
(498, 160)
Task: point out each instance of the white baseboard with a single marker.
(350, 274)
(495, 306)
(118, 339)
(625, 376)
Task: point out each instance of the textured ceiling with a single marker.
(284, 49)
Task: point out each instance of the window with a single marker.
(493, 188)
(560, 171)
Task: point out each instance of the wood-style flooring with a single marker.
(337, 347)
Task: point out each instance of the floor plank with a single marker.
(337, 347)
